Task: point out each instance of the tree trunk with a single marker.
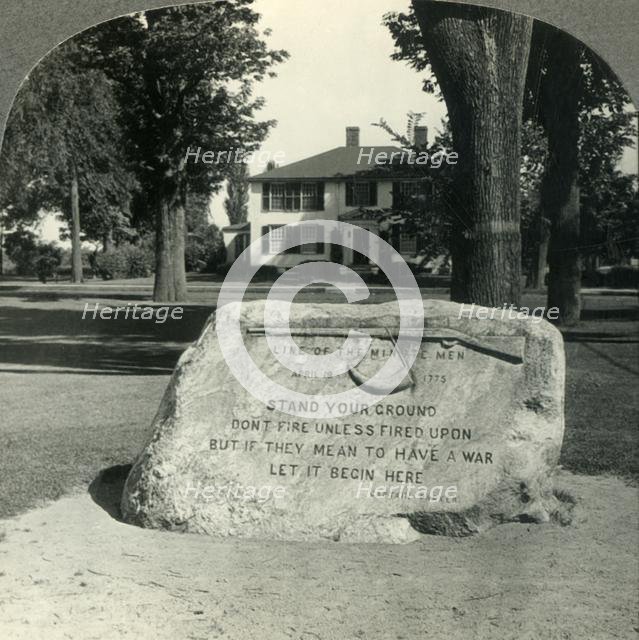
(76, 245)
(560, 183)
(458, 247)
(107, 241)
(179, 262)
(479, 56)
(170, 272)
(542, 253)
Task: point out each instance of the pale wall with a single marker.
(334, 206)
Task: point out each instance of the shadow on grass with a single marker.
(615, 362)
(106, 490)
(600, 336)
(54, 296)
(40, 337)
(9, 288)
(626, 312)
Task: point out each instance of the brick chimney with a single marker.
(420, 136)
(352, 136)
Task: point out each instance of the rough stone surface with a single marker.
(487, 423)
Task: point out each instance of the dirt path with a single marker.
(69, 570)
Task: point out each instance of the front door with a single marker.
(241, 242)
(359, 259)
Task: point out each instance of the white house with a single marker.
(347, 183)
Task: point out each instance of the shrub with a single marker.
(64, 271)
(223, 269)
(46, 267)
(22, 249)
(140, 261)
(618, 277)
(194, 254)
(48, 261)
(204, 250)
(31, 257)
(111, 264)
(124, 261)
(622, 278)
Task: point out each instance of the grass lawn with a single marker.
(77, 396)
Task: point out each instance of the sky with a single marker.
(339, 74)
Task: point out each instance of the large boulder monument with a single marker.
(470, 438)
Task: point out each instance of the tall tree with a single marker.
(186, 76)
(605, 129)
(237, 193)
(535, 227)
(559, 96)
(582, 107)
(62, 151)
(479, 57)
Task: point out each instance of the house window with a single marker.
(276, 239)
(407, 243)
(292, 196)
(310, 200)
(406, 192)
(409, 189)
(309, 235)
(361, 194)
(311, 239)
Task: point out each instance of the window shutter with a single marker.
(320, 196)
(372, 193)
(297, 197)
(320, 246)
(397, 204)
(396, 231)
(265, 249)
(349, 194)
(265, 196)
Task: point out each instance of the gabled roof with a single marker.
(341, 162)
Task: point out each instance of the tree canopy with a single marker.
(606, 196)
(185, 78)
(63, 127)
